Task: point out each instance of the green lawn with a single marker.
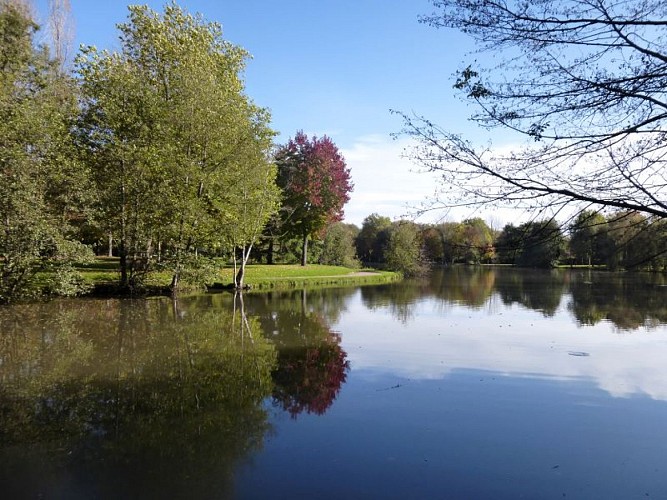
(105, 269)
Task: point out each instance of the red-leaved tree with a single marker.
(316, 184)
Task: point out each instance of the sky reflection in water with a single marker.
(496, 384)
(507, 340)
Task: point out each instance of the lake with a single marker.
(474, 383)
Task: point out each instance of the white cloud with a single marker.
(384, 181)
(387, 183)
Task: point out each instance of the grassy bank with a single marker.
(291, 276)
(104, 271)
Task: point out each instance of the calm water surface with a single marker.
(476, 383)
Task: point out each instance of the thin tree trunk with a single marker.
(304, 250)
(245, 254)
(174, 282)
(110, 253)
(269, 252)
(122, 248)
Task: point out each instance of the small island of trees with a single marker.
(155, 155)
(152, 153)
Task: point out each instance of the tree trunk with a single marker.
(240, 271)
(245, 255)
(238, 280)
(123, 266)
(269, 252)
(304, 250)
(110, 254)
(122, 250)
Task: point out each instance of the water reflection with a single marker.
(160, 394)
(564, 325)
(446, 386)
(311, 366)
(627, 300)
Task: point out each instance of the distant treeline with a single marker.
(619, 240)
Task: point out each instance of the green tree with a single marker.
(542, 243)
(338, 245)
(173, 137)
(42, 183)
(478, 241)
(633, 241)
(248, 207)
(585, 237)
(403, 252)
(371, 242)
(433, 244)
(508, 244)
(453, 241)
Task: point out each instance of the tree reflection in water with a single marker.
(628, 300)
(311, 364)
(309, 378)
(160, 394)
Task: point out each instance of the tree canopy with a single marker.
(316, 185)
(181, 152)
(43, 183)
(583, 80)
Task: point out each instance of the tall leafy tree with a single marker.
(478, 240)
(508, 244)
(338, 247)
(404, 248)
(453, 237)
(585, 233)
(247, 207)
(171, 131)
(41, 179)
(542, 244)
(632, 241)
(316, 184)
(433, 244)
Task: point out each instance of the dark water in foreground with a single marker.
(474, 384)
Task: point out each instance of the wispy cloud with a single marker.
(388, 183)
(385, 182)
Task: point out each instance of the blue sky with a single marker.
(333, 67)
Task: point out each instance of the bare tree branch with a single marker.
(586, 80)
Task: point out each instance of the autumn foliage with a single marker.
(316, 185)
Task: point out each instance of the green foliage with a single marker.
(633, 241)
(508, 244)
(532, 244)
(586, 237)
(371, 242)
(338, 246)
(181, 154)
(42, 181)
(542, 244)
(403, 252)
